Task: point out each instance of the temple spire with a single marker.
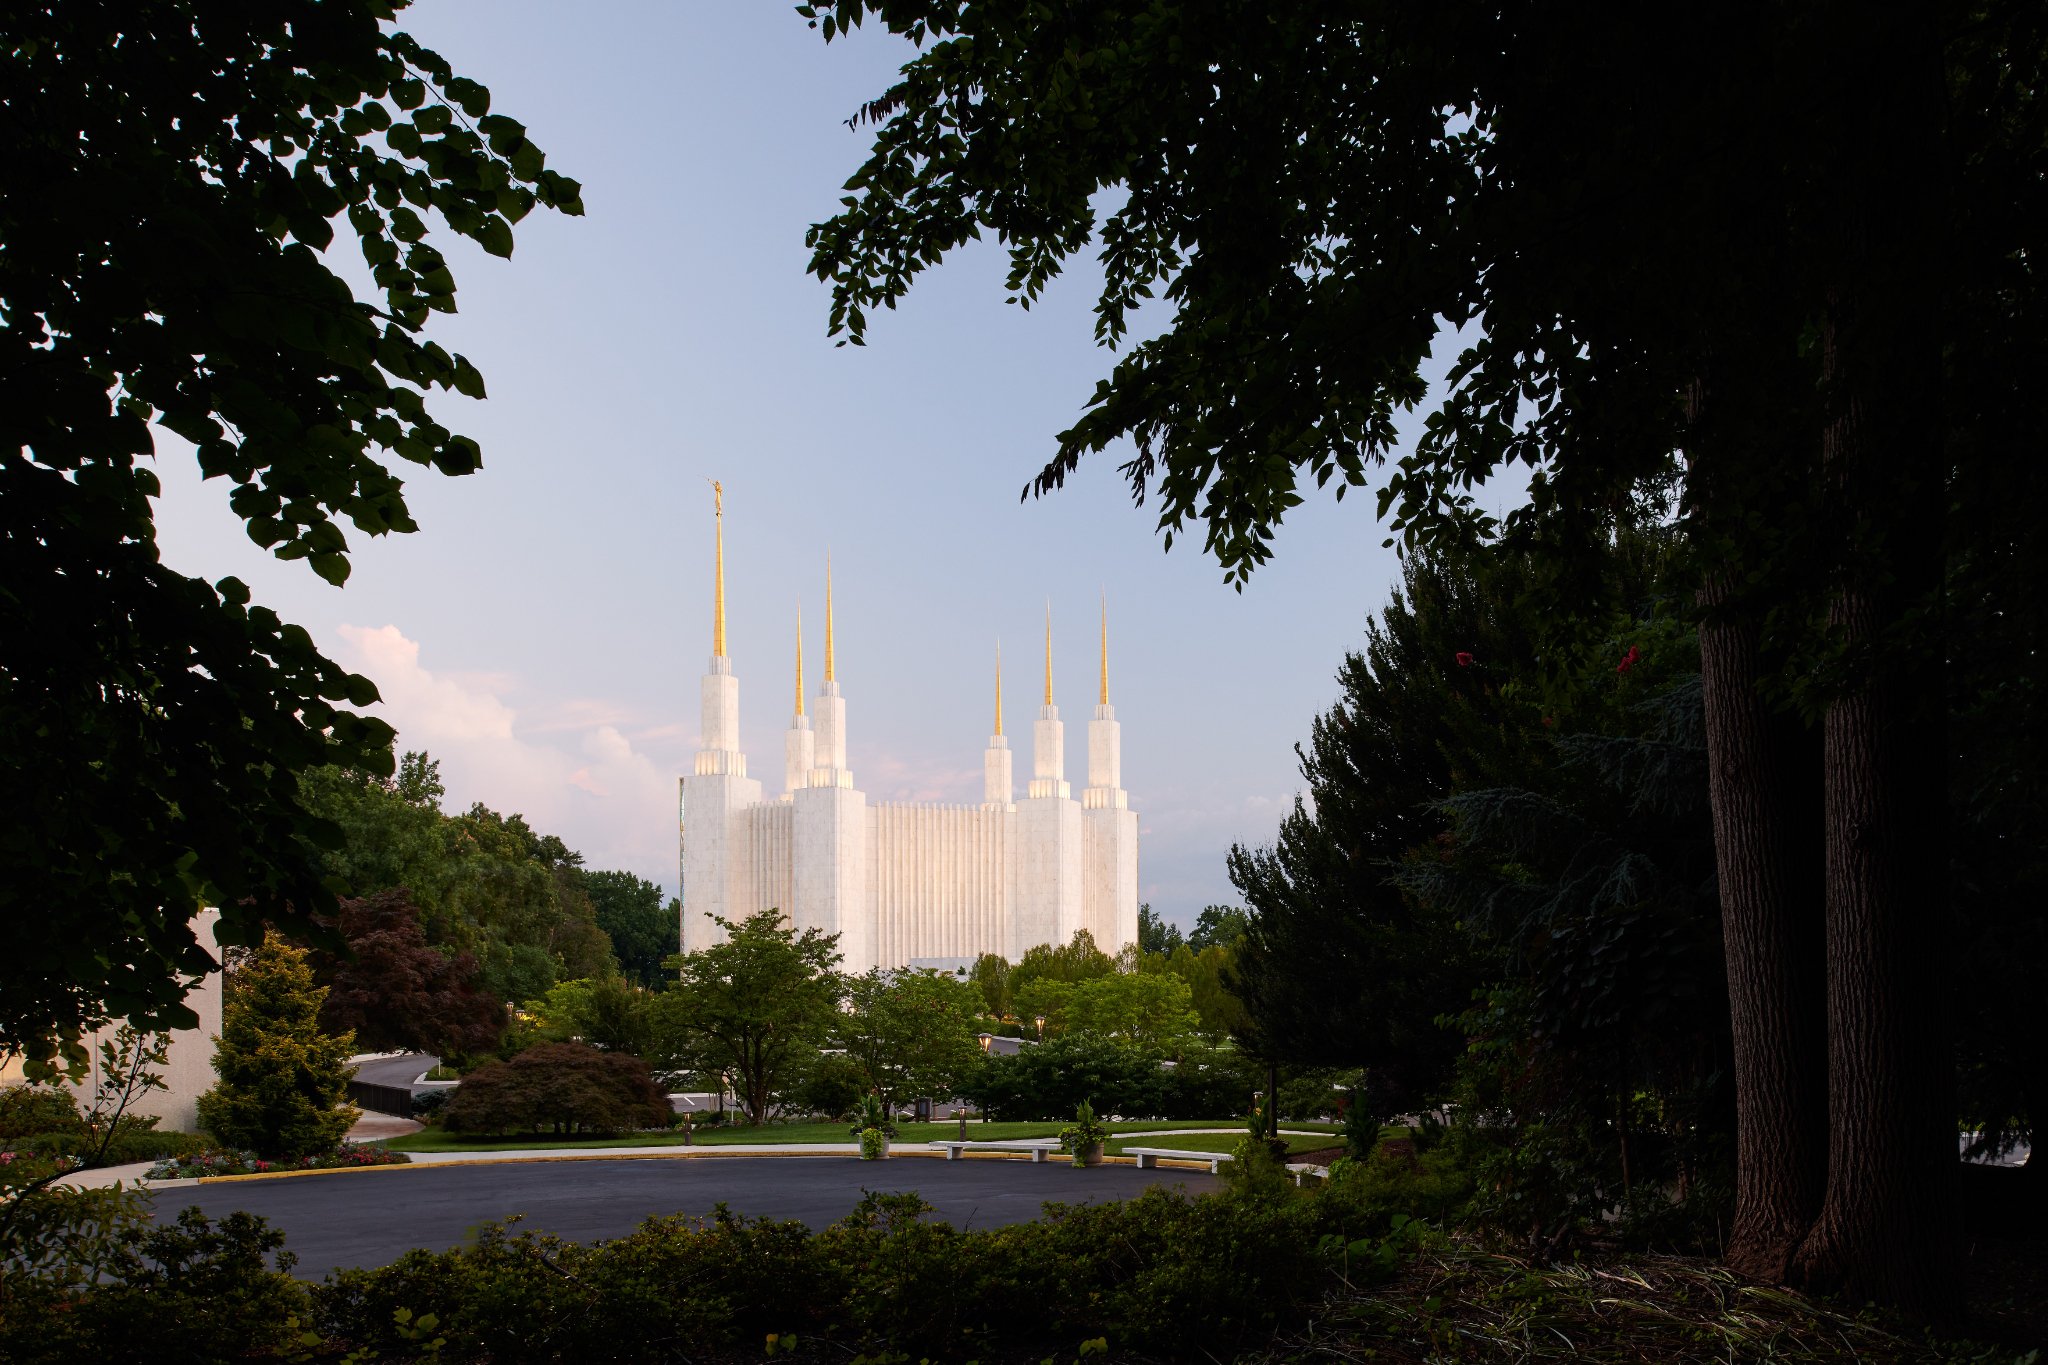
(1103, 698)
(1048, 653)
(831, 671)
(718, 589)
(799, 660)
(999, 687)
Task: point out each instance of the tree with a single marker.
(1338, 966)
(1218, 926)
(392, 990)
(558, 1088)
(606, 1012)
(486, 884)
(911, 1033)
(756, 1008)
(991, 976)
(283, 1084)
(1075, 960)
(1155, 935)
(174, 173)
(1147, 1009)
(1686, 274)
(642, 929)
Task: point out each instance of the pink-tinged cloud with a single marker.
(582, 780)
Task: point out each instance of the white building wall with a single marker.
(830, 870)
(1110, 880)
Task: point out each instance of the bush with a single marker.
(832, 1088)
(1396, 1181)
(558, 1088)
(185, 1291)
(133, 1140)
(32, 1110)
(1168, 1277)
(427, 1104)
(283, 1083)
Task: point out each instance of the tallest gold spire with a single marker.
(999, 687)
(1048, 654)
(831, 672)
(1104, 697)
(718, 590)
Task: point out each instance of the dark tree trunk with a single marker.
(1885, 1228)
(1764, 786)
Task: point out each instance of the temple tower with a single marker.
(1109, 826)
(799, 745)
(1045, 903)
(718, 788)
(996, 785)
(829, 832)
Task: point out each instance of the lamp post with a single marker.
(1040, 1021)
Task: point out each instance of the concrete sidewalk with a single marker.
(132, 1174)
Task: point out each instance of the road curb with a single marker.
(657, 1154)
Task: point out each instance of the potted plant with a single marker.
(872, 1129)
(1083, 1137)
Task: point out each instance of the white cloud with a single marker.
(581, 779)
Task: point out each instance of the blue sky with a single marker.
(544, 632)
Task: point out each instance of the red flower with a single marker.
(1628, 660)
(1464, 659)
(1547, 721)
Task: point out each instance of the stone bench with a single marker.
(1149, 1157)
(1040, 1148)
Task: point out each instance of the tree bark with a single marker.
(1763, 781)
(1885, 1229)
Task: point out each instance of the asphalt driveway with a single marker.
(371, 1217)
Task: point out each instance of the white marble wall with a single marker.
(830, 854)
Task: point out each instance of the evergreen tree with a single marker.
(283, 1083)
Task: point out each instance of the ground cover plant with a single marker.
(216, 1162)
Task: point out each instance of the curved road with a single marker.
(372, 1217)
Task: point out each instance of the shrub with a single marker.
(31, 1110)
(830, 1089)
(1160, 1275)
(185, 1291)
(427, 1104)
(134, 1139)
(283, 1083)
(1395, 1181)
(558, 1088)
(1051, 1080)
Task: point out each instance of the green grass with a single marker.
(1216, 1142)
(434, 1140)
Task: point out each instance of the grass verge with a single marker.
(434, 1140)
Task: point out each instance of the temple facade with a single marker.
(899, 883)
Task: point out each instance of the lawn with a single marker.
(1219, 1142)
(909, 1134)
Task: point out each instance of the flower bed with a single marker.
(219, 1162)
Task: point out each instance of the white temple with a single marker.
(900, 883)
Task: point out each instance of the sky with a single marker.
(543, 633)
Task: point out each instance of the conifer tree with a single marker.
(283, 1083)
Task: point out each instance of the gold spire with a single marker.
(718, 612)
(1104, 697)
(1048, 653)
(999, 687)
(799, 660)
(830, 671)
